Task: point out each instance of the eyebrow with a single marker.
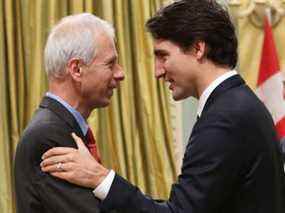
(158, 52)
(112, 59)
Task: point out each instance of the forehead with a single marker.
(105, 46)
(162, 45)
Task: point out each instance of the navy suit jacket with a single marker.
(39, 192)
(282, 147)
(232, 163)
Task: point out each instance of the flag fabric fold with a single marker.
(270, 81)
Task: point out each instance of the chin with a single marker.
(176, 95)
(105, 103)
(179, 97)
(101, 104)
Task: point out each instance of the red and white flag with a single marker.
(270, 81)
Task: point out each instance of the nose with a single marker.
(159, 69)
(119, 74)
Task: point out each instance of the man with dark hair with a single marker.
(205, 22)
(232, 162)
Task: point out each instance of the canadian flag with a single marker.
(270, 81)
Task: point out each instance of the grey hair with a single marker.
(73, 37)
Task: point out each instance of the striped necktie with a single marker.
(91, 144)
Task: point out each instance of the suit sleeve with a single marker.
(55, 195)
(210, 169)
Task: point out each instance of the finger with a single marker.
(64, 167)
(56, 159)
(80, 144)
(57, 151)
(51, 168)
(55, 168)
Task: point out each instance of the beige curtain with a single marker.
(138, 127)
(250, 46)
(133, 133)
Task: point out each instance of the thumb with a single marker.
(80, 144)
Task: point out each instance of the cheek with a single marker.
(173, 64)
(90, 85)
(97, 81)
(174, 70)
(169, 66)
(103, 81)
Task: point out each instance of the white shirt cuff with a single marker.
(102, 190)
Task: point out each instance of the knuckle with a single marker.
(53, 161)
(70, 157)
(67, 166)
(69, 175)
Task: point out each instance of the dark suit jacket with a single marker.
(232, 163)
(282, 147)
(38, 192)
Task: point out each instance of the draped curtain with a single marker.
(134, 133)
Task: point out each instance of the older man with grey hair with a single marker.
(82, 69)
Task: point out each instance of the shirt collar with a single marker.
(207, 92)
(78, 117)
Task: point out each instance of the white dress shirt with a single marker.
(103, 188)
(208, 91)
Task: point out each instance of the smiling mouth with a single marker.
(171, 84)
(110, 93)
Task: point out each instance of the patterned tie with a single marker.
(92, 145)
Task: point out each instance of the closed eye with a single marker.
(161, 54)
(111, 62)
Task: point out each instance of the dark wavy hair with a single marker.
(185, 22)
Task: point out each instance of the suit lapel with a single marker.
(226, 85)
(63, 113)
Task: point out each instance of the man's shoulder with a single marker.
(240, 104)
(43, 132)
(236, 111)
(44, 128)
(45, 117)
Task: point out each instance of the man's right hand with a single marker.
(76, 166)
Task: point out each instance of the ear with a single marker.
(199, 49)
(74, 69)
